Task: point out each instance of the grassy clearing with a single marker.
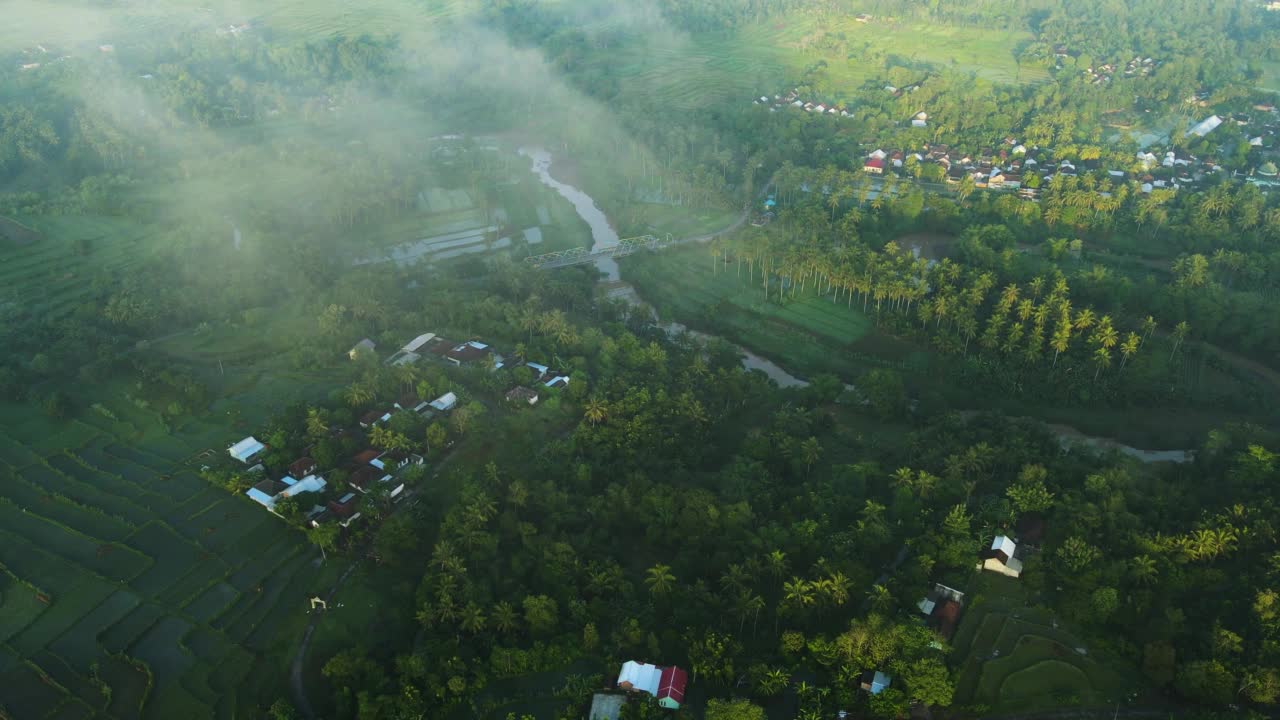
(680, 222)
(1270, 80)
(712, 69)
(807, 335)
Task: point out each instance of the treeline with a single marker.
(685, 512)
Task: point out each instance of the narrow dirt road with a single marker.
(296, 685)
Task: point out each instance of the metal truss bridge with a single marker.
(582, 255)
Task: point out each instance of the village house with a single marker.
(396, 459)
(246, 449)
(373, 417)
(558, 382)
(941, 608)
(873, 165)
(365, 457)
(468, 352)
(302, 467)
(366, 477)
(522, 395)
(667, 684)
(344, 509)
(444, 403)
(1002, 558)
(365, 346)
(269, 492)
(875, 682)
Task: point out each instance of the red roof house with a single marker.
(671, 687)
(367, 457)
(302, 467)
(874, 165)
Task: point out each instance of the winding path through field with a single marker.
(296, 685)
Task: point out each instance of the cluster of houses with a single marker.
(1137, 67)
(468, 353)
(365, 471)
(1011, 166)
(372, 469)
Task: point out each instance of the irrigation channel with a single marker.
(605, 236)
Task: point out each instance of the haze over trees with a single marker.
(202, 212)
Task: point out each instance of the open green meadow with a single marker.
(807, 334)
(1019, 658)
(706, 70)
(1270, 80)
(129, 588)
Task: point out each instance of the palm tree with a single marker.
(748, 603)
(505, 619)
(797, 593)
(1102, 358)
(881, 600)
(1105, 335)
(660, 580)
(735, 578)
(904, 477)
(317, 427)
(773, 682)
(1179, 334)
(1144, 570)
(473, 619)
(836, 588)
(1085, 319)
(1128, 348)
(776, 564)
(810, 451)
(358, 394)
(595, 411)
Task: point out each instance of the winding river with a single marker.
(605, 236)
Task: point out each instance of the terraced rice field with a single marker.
(54, 275)
(1016, 658)
(121, 569)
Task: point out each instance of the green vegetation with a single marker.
(204, 206)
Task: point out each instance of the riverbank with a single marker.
(613, 287)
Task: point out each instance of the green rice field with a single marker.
(129, 588)
(807, 334)
(1014, 658)
(696, 72)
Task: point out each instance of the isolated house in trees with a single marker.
(364, 346)
(941, 608)
(246, 449)
(522, 395)
(667, 684)
(1001, 557)
(875, 682)
(874, 165)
